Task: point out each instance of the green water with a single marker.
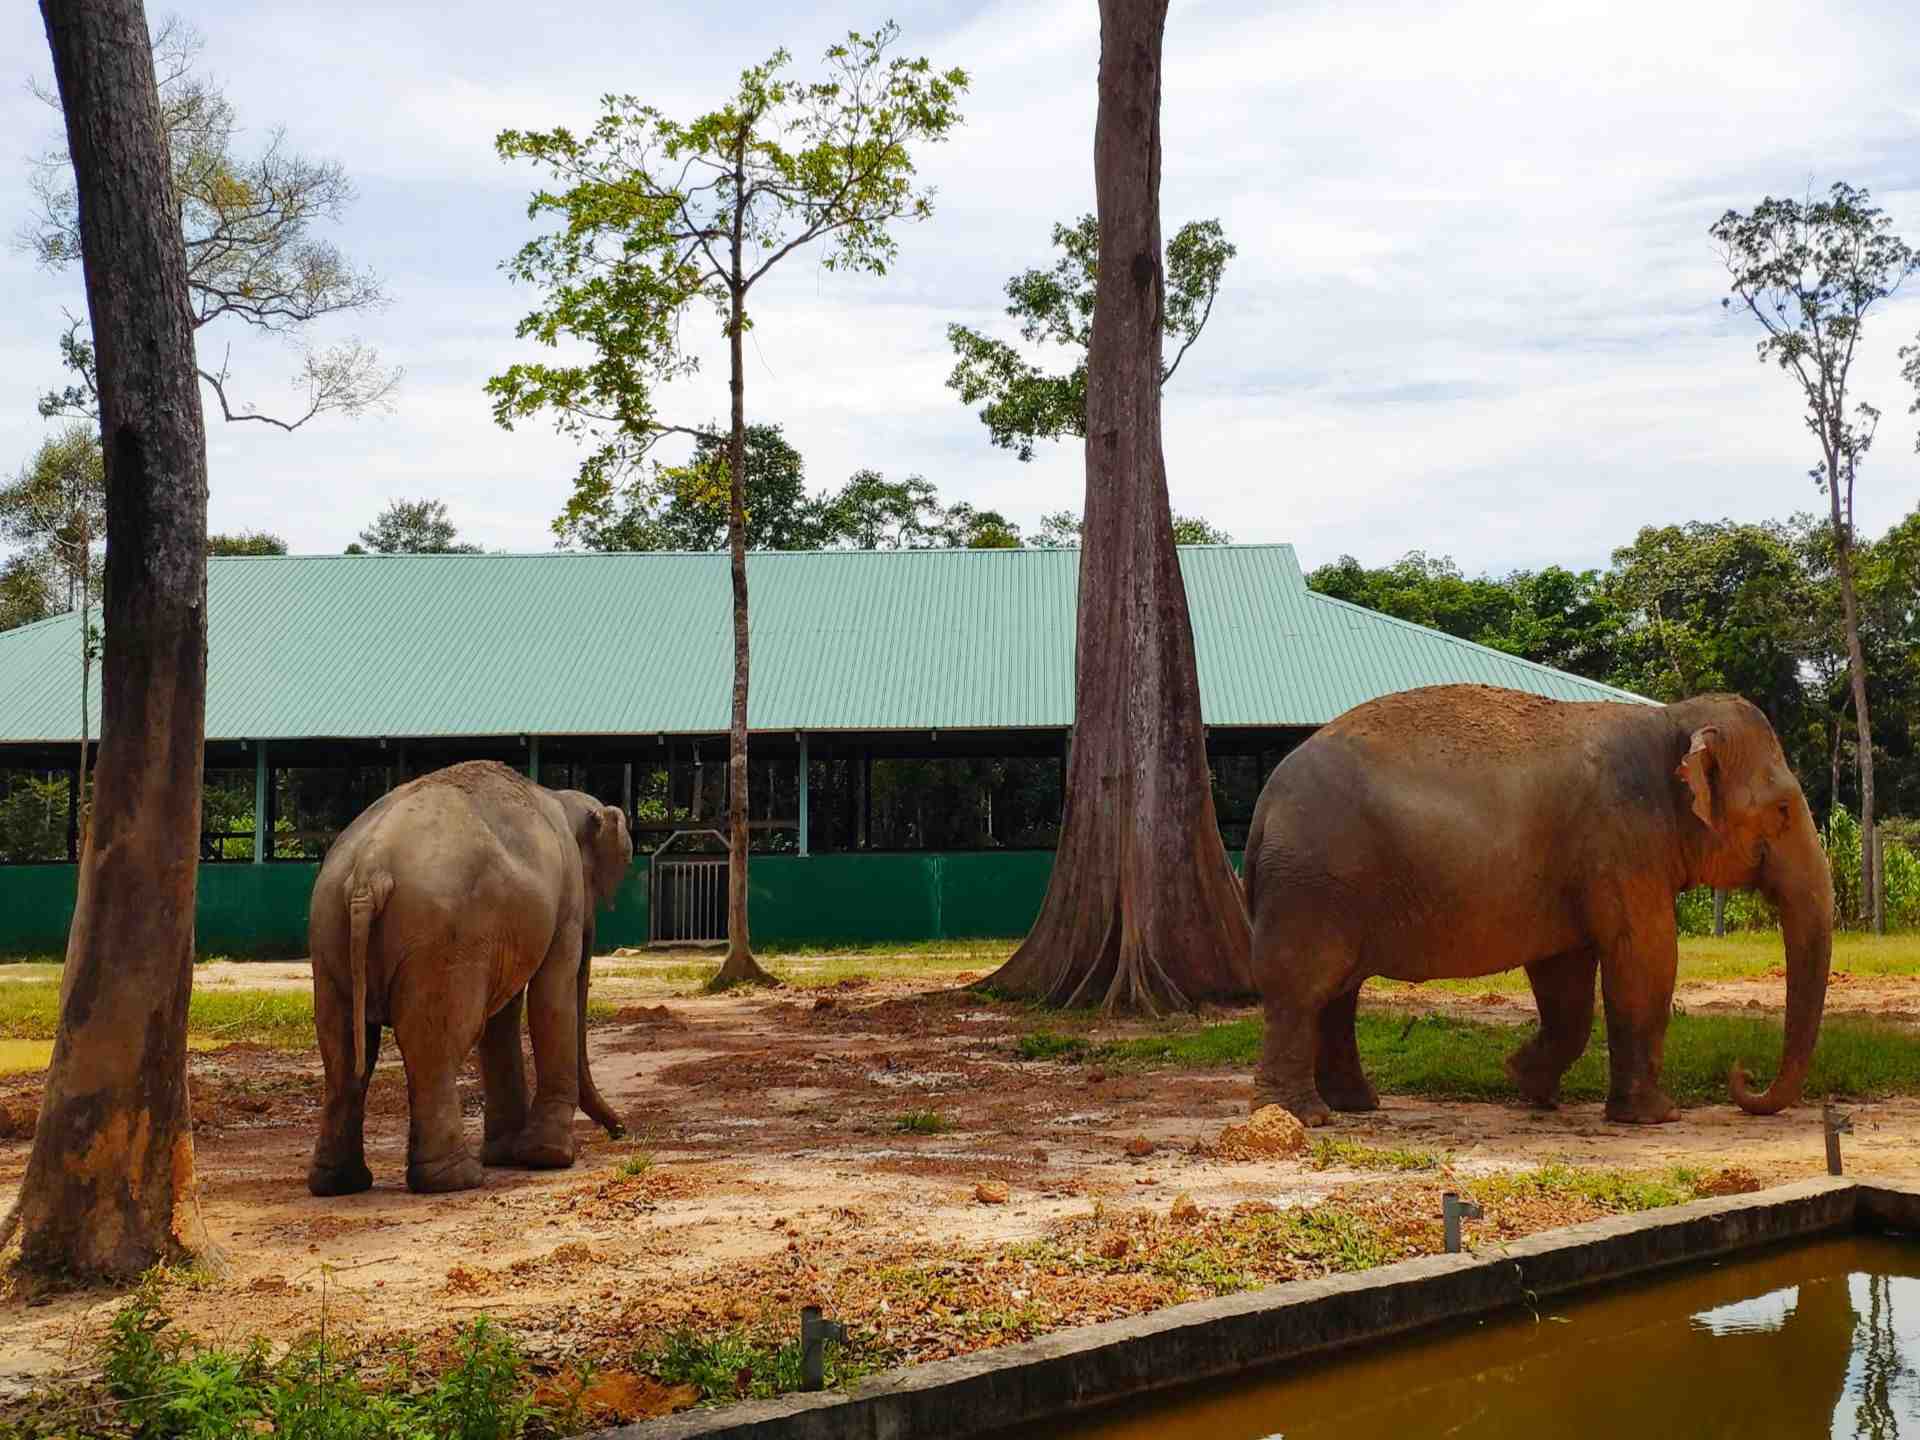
(1819, 1340)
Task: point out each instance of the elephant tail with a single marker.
(366, 900)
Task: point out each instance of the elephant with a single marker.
(1459, 830)
(439, 911)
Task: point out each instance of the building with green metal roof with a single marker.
(909, 709)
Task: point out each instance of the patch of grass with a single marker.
(1440, 1057)
(922, 1122)
(1333, 1153)
(1049, 1045)
(1620, 1191)
(30, 1010)
(741, 1364)
(157, 1383)
(635, 1165)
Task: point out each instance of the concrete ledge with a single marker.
(1075, 1370)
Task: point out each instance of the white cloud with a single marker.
(1474, 311)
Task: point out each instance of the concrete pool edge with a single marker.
(1074, 1371)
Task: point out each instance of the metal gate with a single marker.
(687, 899)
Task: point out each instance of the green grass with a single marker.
(1749, 955)
(1443, 1058)
(740, 1364)
(1049, 1045)
(30, 1010)
(922, 1122)
(1333, 1153)
(157, 1383)
(1620, 1191)
(635, 1165)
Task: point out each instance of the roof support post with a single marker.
(533, 758)
(803, 793)
(260, 802)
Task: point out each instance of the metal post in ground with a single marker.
(815, 1332)
(1452, 1211)
(1835, 1123)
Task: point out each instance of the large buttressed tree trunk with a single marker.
(113, 1153)
(1143, 909)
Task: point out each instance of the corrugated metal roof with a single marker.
(344, 646)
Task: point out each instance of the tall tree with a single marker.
(412, 527)
(871, 512)
(1143, 908)
(254, 260)
(968, 528)
(113, 1151)
(1062, 529)
(27, 591)
(1026, 403)
(1809, 271)
(657, 215)
(684, 507)
(57, 505)
(246, 542)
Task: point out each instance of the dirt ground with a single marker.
(772, 1120)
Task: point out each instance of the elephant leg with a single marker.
(1343, 1084)
(339, 1164)
(1563, 991)
(503, 1075)
(1636, 981)
(435, 1040)
(1298, 980)
(552, 995)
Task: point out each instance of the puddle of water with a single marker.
(1819, 1340)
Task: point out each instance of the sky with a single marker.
(1475, 309)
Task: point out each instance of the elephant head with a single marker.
(606, 845)
(1745, 825)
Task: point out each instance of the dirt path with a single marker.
(773, 1126)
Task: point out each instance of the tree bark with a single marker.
(1719, 913)
(113, 1152)
(1143, 909)
(1857, 672)
(739, 966)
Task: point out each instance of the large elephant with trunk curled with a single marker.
(442, 908)
(1460, 830)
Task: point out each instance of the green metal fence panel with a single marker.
(260, 911)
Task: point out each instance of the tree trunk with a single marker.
(1719, 913)
(113, 1152)
(739, 965)
(1857, 671)
(1143, 909)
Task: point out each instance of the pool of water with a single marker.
(1814, 1341)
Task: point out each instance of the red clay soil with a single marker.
(781, 1170)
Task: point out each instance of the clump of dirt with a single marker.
(614, 1397)
(18, 1116)
(1271, 1133)
(616, 1196)
(1733, 1180)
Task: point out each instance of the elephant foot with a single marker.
(350, 1179)
(1309, 1109)
(1651, 1107)
(500, 1150)
(538, 1152)
(1350, 1095)
(437, 1177)
(1539, 1088)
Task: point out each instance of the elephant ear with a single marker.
(1699, 768)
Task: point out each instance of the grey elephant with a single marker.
(443, 907)
(1460, 830)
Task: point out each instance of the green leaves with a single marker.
(1026, 403)
(652, 215)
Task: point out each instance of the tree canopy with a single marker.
(412, 527)
(255, 256)
(1027, 403)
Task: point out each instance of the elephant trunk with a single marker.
(591, 1100)
(1806, 915)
